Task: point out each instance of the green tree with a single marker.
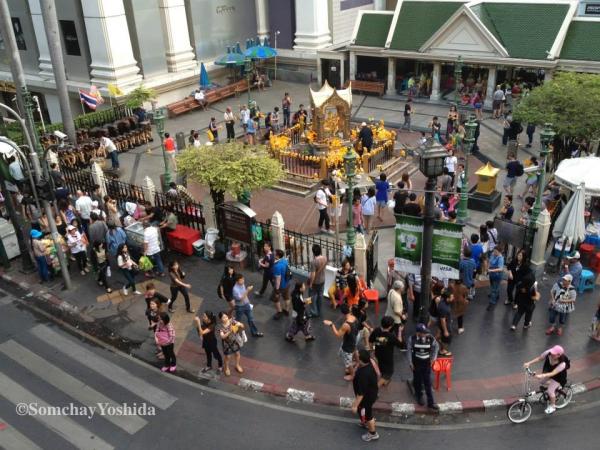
(139, 96)
(231, 168)
(571, 102)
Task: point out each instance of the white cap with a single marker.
(364, 124)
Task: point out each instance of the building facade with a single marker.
(497, 40)
(161, 43)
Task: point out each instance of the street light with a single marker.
(277, 33)
(350, 169)
(470, 128)
(431, 165)
(546, 138)
(159, 120)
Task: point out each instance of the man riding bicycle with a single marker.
(554, 372)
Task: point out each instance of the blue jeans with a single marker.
(316, 294)
(42, 265)
(562, 317)
(114, 159)
(157, 261)
(245, 310)
(494, 289)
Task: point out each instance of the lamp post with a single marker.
(431, 165)
(457, 77)
(277, 33)
(463, 211)
(546, 138)
(159, 120)
(350, 169)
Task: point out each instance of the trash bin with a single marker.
(9, 239)
(181, 142)
(212, 235)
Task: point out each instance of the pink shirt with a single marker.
(357, 218)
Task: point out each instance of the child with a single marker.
(103, 267)
(152, 293)
(206, 330)
(152, 314)
(357, 217)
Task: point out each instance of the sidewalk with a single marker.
(487, 357)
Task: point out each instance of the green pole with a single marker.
(457, 76)
(463, 206)
(350, 164)
(546, 138)
(248, 69)
(159, 120)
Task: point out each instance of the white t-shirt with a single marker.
(152, 240)
(84, 207)
(75, 243)
(108, 144)
(321, 196)
(245, 115)
(228, 116)
(199, 96)
(368, 206)
(450, 163)
(124, 261)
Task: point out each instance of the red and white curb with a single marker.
(395, 408)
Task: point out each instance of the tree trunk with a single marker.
(218, 197)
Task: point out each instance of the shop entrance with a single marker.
(331, 71)
(370, 68)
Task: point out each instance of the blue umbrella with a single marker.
(230, 59)
(260, 52)
(204, 81)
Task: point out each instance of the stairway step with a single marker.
(297, 183)
(300, 193)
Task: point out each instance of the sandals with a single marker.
(239, 369)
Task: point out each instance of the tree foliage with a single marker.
(570, 101)
(139, 96)
(232, 168)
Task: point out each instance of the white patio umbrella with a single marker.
(571, 222)
(572, 172)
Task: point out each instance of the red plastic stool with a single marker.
(439, 366)
(372, 295)
(595, 262)
(586, 251)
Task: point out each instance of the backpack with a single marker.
(520, 170)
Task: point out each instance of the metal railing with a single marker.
(77, 179)
(188, 213)
(299, 250)
(378, 156)
(300, 165)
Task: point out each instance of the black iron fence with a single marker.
(189, 213)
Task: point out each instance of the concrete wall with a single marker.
(77, 67)
(343, 18)
(29, 58)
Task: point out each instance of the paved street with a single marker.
(42, 365)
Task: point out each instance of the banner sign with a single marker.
(446, 245)
(409, 243)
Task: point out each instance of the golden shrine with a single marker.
(332, 109)
(484, 197)
(487, 176)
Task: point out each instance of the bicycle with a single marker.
(521, 409)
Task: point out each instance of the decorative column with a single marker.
(110, 44)
(262, 18)
(435, 82)
(41, 40)
(391, 78)
(380, 5)
(360, 255)
(312, 25)
(491, 87)
(99, 179)
(277, 235)
(180, 54)
(352, 66)
(538, 251)
(149, 189)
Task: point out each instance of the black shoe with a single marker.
(258, 334)
(420, 401)
(434, 407)
(289, 339)
(489, 307)
(286, 312)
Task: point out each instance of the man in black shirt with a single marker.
(384, 340)
(412, 208)
(365, 391)
(366, 136)
(422, 351)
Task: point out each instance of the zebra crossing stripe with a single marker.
(116, 374)
(15, 440)
(68, 384)
(68, 429)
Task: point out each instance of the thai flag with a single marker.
(89, 100)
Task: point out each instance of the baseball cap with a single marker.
(568, 277)
(70, 227)
(421, 328)
(557, 350)
(35, 234)
(575, 255)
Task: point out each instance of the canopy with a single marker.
(231, 58)
(260, 52)
(571, 222)
(575, 171)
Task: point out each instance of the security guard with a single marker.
(422, 351)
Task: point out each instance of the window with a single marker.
(18, 29)
(70, 38)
